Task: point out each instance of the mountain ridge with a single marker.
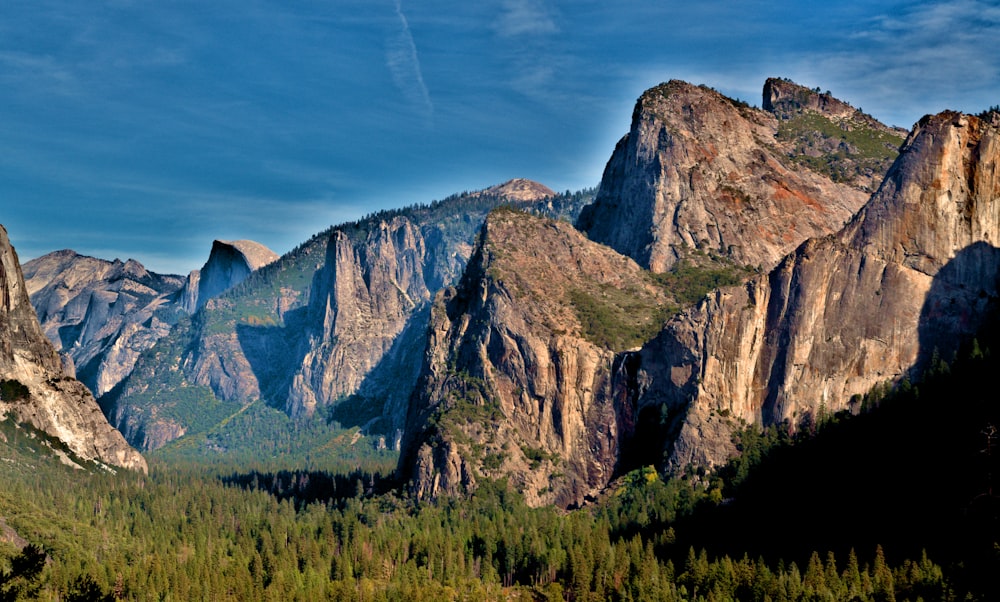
(272, 337)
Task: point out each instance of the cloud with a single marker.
(524, 31)
(525, 17)
(404, 66)
(895, 62)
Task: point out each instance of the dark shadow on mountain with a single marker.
(381, 402)
(963, 298)
(276, 353)
(916, 470)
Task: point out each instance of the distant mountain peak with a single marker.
(256, 254)
(783, 97)
(521, 189)
(229, 263)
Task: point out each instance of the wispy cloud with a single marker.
(525, 17)
(404, 65)
(526, 30)
(943, 50)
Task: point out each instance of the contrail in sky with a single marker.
(404, 65)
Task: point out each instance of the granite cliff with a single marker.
(513, 387)
(362, 299)
(331, 327)
(36, 389)
(517, 372)
(229, 263)
(701, 171)
(100, 314)
(913, 274)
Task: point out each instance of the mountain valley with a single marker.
(618, 371)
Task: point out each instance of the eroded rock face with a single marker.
(516, 380)
(700, 171)
(830, 136)
(100, 314)
(363, 298)
(50, 400)
(913, 273)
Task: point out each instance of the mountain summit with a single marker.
(701, 172)
(229, 263)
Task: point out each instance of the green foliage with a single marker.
(689, 283)
(267, 439)
(839, 151)
(625, 318)
(21, 582)
(236, 534)
(617, 319)
(989, 113)
(536, 456)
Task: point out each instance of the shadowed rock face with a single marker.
(53, 402)
(700, 171)
(844, 312)
(103, 314)
(100, 314)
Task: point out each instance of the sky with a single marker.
(147, 129)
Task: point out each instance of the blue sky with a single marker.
(147, 129)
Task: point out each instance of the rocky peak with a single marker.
(785, 99)
(100, 314)
(939, 198)
(830, 136)
(699, 171)
(520, 189)
(515, 379)
(362, 299)
(45, 397)
(229, 263)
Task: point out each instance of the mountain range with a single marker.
(736, 266)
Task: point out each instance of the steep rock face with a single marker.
(700, 171)
(229, 263)
(100, 314)
(333, 325)
(914, 273)
(516, 376)
(38, 391)
(363, 298)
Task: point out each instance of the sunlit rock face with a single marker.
(335, 327)
(913, 274)
(701, 171)
(100, 314)
(513, 385)
(229, 263)
(37, 390)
